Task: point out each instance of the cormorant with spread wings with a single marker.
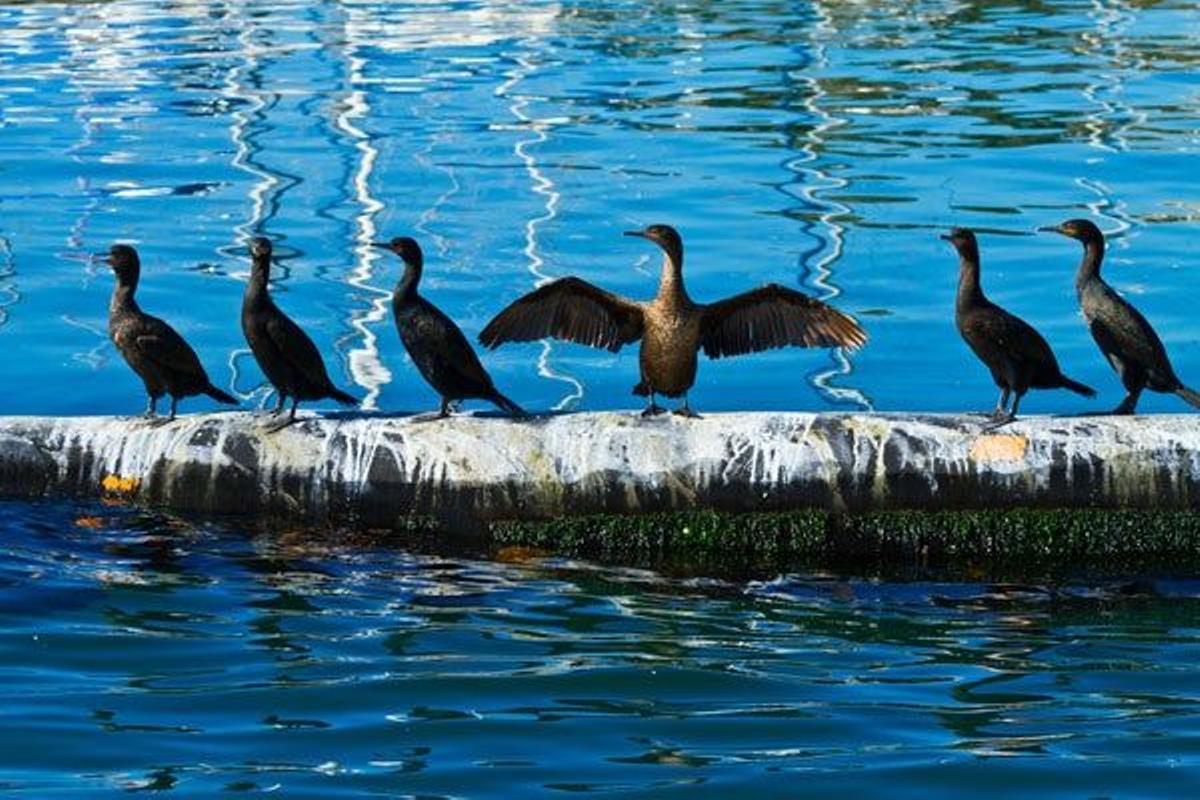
(671, 326)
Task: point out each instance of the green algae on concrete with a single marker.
(752, 486)
(1032, 538)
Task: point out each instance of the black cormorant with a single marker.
(1016, 354)
(156, 352)
(1123, 334)
(435, 344)
(286, 355)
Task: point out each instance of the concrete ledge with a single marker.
(466, 472)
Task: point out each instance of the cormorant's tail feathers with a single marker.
(508, 406)
(1077, 387)
(1191, 397)
(342, 397)
(220, 396)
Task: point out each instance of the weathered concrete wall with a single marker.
(378, 471)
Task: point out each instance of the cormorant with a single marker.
(286, 355)
(1123, 334)
(156, 352)
(671, 326)
(1016, 354)
(434, 342)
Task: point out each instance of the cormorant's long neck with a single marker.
(1089, 267)
(122, 296)
(670, 283)
(970, 293)
(406, 288)
(258, 278)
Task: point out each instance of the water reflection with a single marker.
(290, 659)
(9, 295)
(546, 190)
(835, 137)
(364, 362)
(812, 182)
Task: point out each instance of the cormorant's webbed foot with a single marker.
(653, 410)
(275, 427)
(278, 425)
(1127, 405)
(431, 416)
(686, 411)
(998, 421)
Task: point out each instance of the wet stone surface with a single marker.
(466, 470)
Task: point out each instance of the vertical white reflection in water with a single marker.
(8, 284)
(431, 212)
(253, 102)
(263, 184)
(84, 110)
(545, 188)
(105, 51)
(1108, 127)
(366, 367)
(1106, 206)
(817, 182)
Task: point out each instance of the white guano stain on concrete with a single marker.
(485, 467)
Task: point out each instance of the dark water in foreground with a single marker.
(141, 652)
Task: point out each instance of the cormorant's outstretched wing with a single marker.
(571, 309)
(774, 316)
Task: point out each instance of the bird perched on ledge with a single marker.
(157, 353)
(1016, 354)
(1123, 334)
(672, 327)
(286, 355)
(435, 344)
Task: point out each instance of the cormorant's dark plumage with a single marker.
(435, 344)
(156, 352)
(671, 326)
(283, 351)
(1123, 334)
(1016, 354)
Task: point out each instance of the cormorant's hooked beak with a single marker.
(945, 237)
(383, 245)
(639, 234)
(105, 257)
(1051, 229)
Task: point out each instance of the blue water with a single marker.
(822, 145)
(143, 652)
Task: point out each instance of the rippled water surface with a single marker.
(821, 145)
(142, 652)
